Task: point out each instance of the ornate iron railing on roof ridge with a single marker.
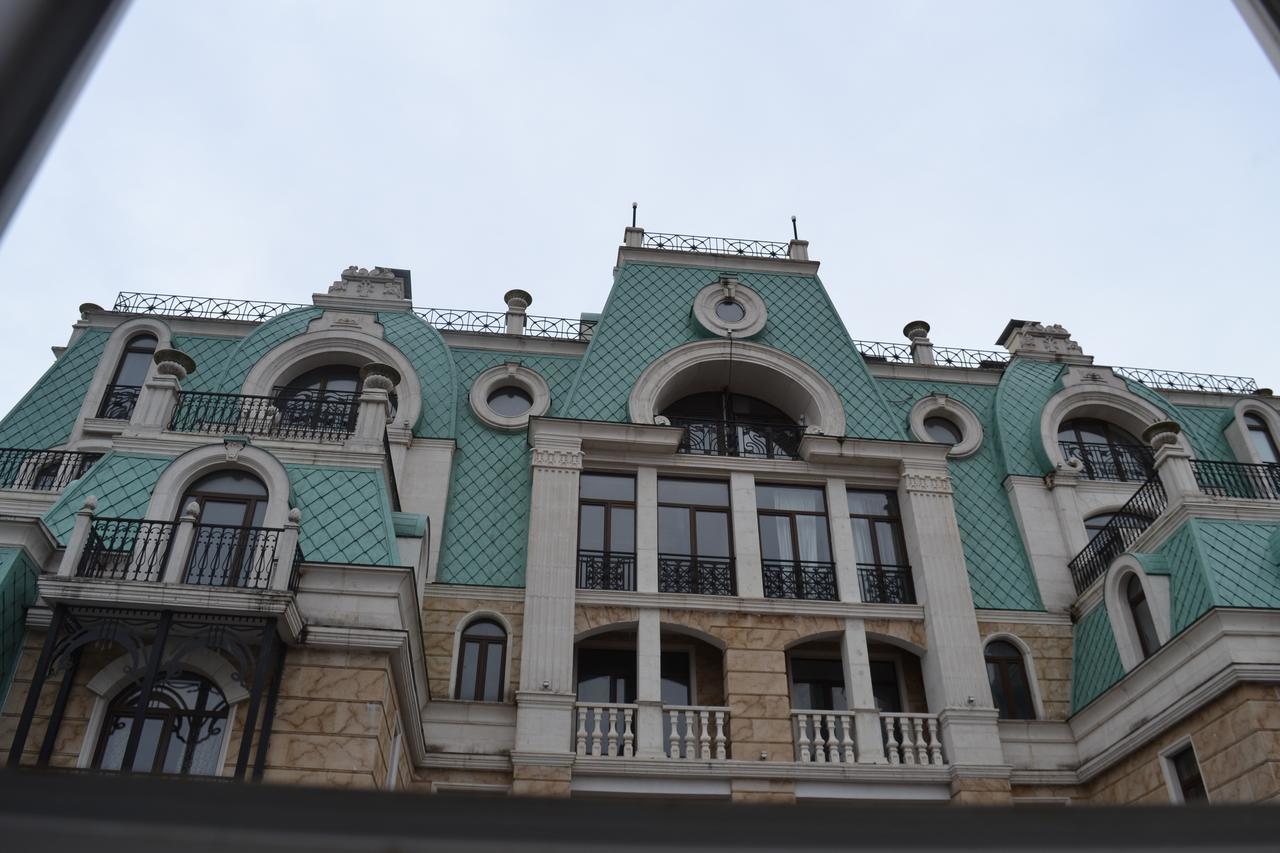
(716, 245)
(255, 311)
(1179, 380)
(883, 351)
(895, 353)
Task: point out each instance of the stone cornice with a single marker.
(734, 604)
(605, 435)
(719, 263)
(936, 373)
(514, 344)
(479, 593)
(171, 444)
(459, 761)
(1024, 617)
(738, 769)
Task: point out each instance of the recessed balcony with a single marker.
(828, 737)
(1127, 463)
(743, 439)
(689, 732)
(289, 414)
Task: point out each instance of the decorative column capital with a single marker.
(559, 458)
(927, 482)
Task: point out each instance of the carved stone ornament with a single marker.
(233, 444)
(172, 362)
(1162, 434)
(1036, 338)
(379, 377)
(377, 283)
(570, 460)
(916, 330)
(938, 484)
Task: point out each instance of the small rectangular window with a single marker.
(1186, 773)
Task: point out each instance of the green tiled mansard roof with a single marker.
(1024, 389)
(1000, 575)
(1095, 663)
(259, 342)
(122, 483)
(649, 312)
(346, 515)
(422, 344)
(45, 416)
(486, 531)
(17, 593)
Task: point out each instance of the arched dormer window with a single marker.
(482, 660)
(323, 399)
(1106, 451)
(122, 394)
(1264, 444)
(182, 731)
(231, 547)
(722, 423)
(1010, 688)
(1144, 623)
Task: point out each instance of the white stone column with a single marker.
(1172, 462)
(746, 535)
(184, 535)
(544, 714)
(78, 539)
(649, 740)
(518, 302)
(954, 670)
(843, 553)
(917, 331)
(646, 529)
(859, 694)
(633, 237)
(376, 382)
(287, 551)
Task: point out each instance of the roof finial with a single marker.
(634, 205)
(795, 233)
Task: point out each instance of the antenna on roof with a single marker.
(633, 214)
(795, 233)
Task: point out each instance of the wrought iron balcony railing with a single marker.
(895, 353)
(886, 584)
(42, 470)
(1101, 461)
(812, 580)
(739, 438)
(225, 555)
(1120, 532)
(692, 575)
(1237, 480)
(606, 570)
(118, 402)
(716, 245)
(126, 549)
(1179, 380)
(323, 416)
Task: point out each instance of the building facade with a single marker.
(701, 545)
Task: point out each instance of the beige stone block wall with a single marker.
(770, 791)
(440, 620)
(978, 791)
(1051, 655)
(538, 780)
(423, 781)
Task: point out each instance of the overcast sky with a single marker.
(1111, 166)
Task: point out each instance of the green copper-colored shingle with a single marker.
(259, 342)
(1241, 562)
(1095, 660)
(121, 482)
(1204, 426)
(1000, 575)
(45, 415)
(17, 593)
(486, 531)
(1021, 395)
(649, 312)
(212, 355)
(346, 515)
(426, 350)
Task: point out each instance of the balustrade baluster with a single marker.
(613, 731)
(819, 740)
(704, 736)
(628, 737)
(802, 739)
(690, 750)
(922, 749)
(720, 750)
(890, 741)
(908, 747)
(935, 745)
(597, 736)
(846, 740)
(582, 731)
(673, 738)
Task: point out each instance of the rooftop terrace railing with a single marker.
(1177, 380)
(716, 245)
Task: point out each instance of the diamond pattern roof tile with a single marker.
(121, 482)
(46, 414)
(212, 356)
(346, 515)
(1021, 395)
(422, 344)
(17, 593)
(1095, 664)
(259, 342)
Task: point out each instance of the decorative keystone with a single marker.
(661, 420)
(377, 376)
(916, 330)
(175, 363)
(1162, 434)
(517, 300)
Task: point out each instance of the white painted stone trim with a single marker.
(1156, 589)
(755, 314)
(1238, 434)
(194, 464)
(1106, 399)
(454, 659)
(510, 373)
(108, 361)
(742, 604)
(772, 375)
(1028, 666)
(940, 405)
(1171, 774)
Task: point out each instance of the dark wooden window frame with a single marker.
(895, 523)
(133, 348)
(1005, 665)
(790, 515)
(694, 508)
(609, 505)
(482, 647)
(1254, 423)
(236, 562)
(1135, 596)
(1190, 786)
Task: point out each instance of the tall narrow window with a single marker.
(884, 576)
(1010, 690)
(122, 394)
(1186, 772)
(1260, 437)
(482, 662)
(1140, 611)
(607, 532)
(231, 547)
(694, 544)
(182, 728)
(795, 547)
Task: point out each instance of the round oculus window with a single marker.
(943, 431)
(510, 401)
(730, 311)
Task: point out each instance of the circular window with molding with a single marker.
(729, 308)
(506, 396)
(940, 419)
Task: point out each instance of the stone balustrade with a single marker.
(605, 728)
(696, 732)
(912, 739)
(829, 737)
(824, 737)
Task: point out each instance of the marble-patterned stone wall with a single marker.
(440, 619)
(1050, 647)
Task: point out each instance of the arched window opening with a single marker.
(1140, 612)
(1106, 451)
(231, 546)
(1261, 439)
(183, 727)
(943, 430)
(722, 423)
(323, 398)
(482, 661)
(1010, 689)
(131, 371)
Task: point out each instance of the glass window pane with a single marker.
(884, 686)
(775, 538)
(812, 533)
(862, 540)
(204, 758)
(145, 758)
(942, 430)
(1020, 706)
(492, 672)
(792, 498)
(1262, 445)
(675, 678)
(887, 539)
(870, 503)
(118, 728)
(230, 513)
(673, 530)
(510, 401)
(997, 690)
(701, 492)
(469, 666)
(230, 483)
(622, 530)
(713, 534)
(485, 628)
(133, 368)
(607, 487)
(591, 528)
